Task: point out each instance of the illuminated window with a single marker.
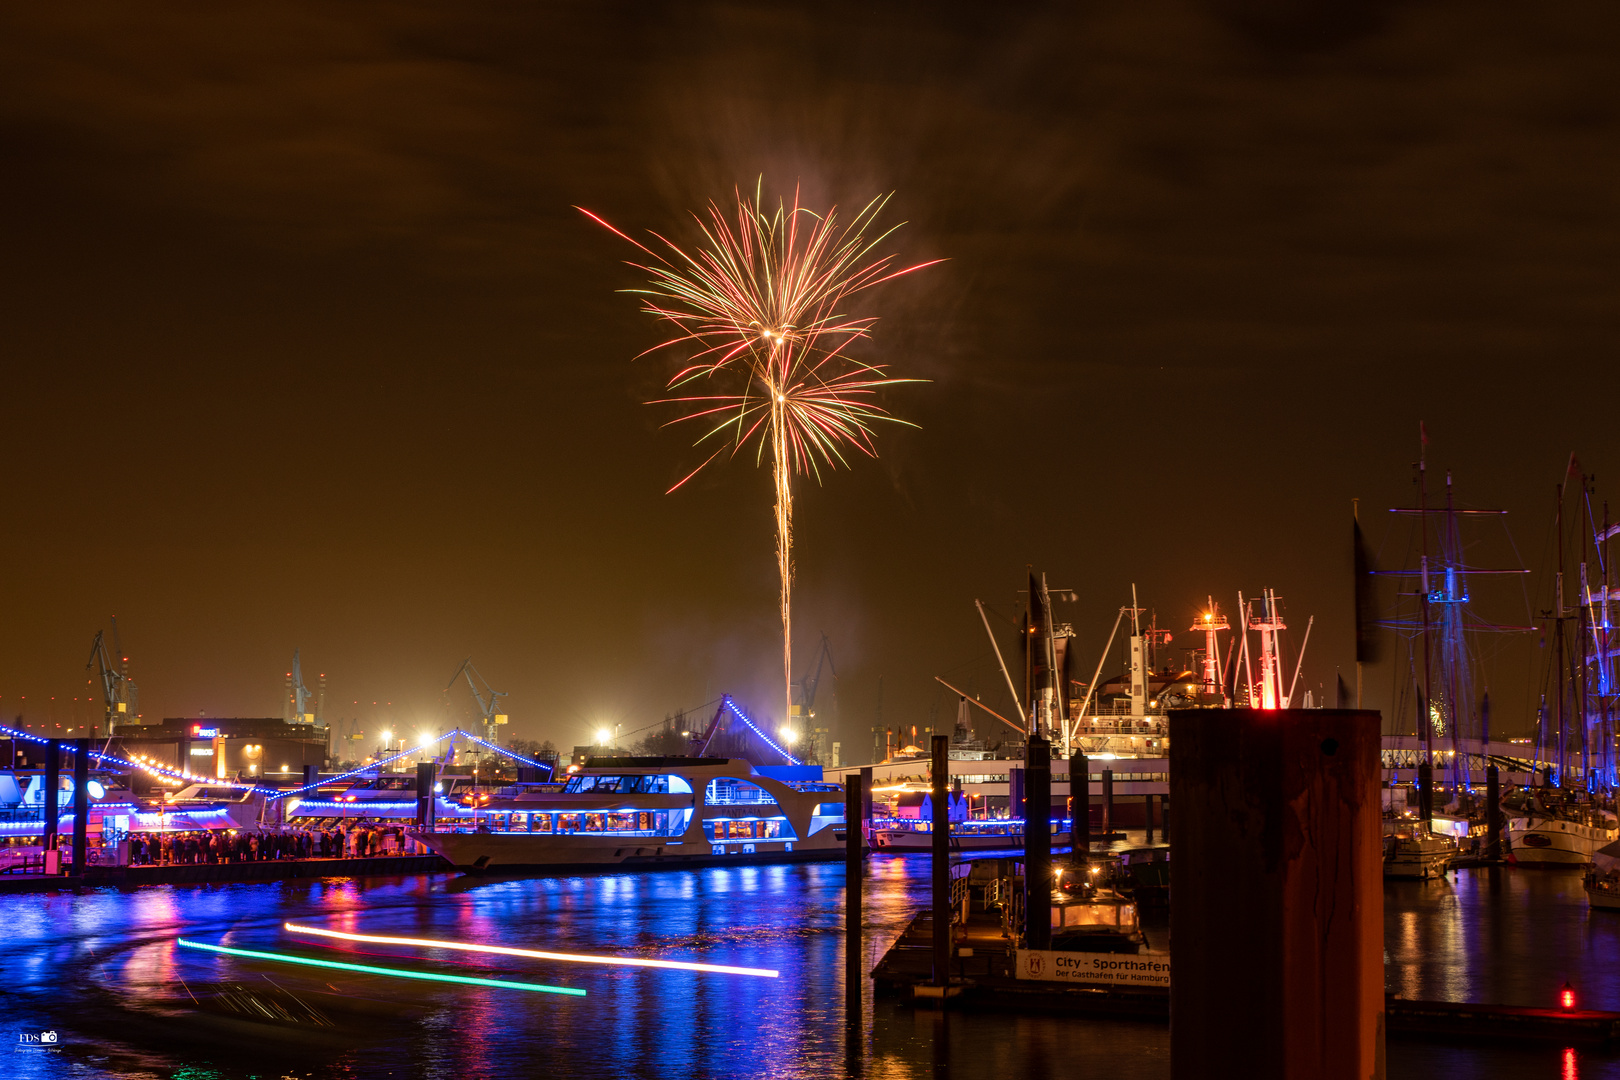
(724, 791)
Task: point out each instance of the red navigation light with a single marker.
(1566, 996)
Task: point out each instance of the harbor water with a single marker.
(104, 972)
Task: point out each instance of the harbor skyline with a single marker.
(296, 366)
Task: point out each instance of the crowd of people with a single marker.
(235, 846)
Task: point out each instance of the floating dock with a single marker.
(984, 977)
(129, 877)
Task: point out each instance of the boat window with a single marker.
(725, 791)
(624, 785)
(772, 828)
(678, 785)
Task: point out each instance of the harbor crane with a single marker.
(487, 697)
(117, 688)
(806, 710)
(297, 694)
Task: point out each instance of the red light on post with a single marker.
(1566, 997)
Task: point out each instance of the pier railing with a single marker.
(960, 891)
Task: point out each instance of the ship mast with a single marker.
(1425, 707)
(1269, 623)
(1558, 641)
(1454, 595)
(1211, 624)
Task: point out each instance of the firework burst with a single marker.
(758, 317)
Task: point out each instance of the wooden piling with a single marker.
(425, 806)
(1108, 804)
(1278, 919)
(854, 864)
(81, 803)
(53, 785)
(1037, 844)
(941, 859)
(1079, 808)
(1493, 814)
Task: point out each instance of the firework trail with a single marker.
(757, 312)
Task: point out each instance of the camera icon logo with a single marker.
(47, 1036)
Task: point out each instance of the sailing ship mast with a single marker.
(1446, 707)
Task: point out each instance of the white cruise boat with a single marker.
(644, 812)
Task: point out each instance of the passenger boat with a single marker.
(654, 811)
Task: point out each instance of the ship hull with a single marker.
(902, 841)
(1553, 842)
(508, 853)
(1419, 859)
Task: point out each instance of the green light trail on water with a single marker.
(367, 969)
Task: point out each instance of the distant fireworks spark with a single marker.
(759, 306)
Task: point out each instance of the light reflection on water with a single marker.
(102, 969)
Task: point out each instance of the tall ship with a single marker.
(655, 811)
(1567, 821)
(1446, 715)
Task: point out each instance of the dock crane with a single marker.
(297, 692)
(487, 697)
(807, 696)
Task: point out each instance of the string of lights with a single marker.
(157, 768)
(732, 705)
(273, 793)
(364, 768)
(407, 753)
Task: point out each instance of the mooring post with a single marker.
(81, 803)
(53, 784)
(426, 778)
(1493, 814)
(866, 801)
(854, 865)
(941, 836)
(1278, 920)
(1079, 808)
(1038, 845)
(1108, 804)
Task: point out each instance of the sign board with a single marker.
(1106, 969)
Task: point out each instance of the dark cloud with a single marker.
(305, 344)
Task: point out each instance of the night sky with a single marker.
(304, 344)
